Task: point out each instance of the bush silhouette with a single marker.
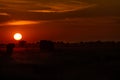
(46, 45)
(22, 43)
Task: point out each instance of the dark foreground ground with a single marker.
(62, 64)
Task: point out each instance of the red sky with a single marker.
(60, 20)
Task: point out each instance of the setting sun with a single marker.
(17, 36)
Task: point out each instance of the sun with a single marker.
(17, 36)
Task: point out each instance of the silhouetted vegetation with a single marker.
(82, 61)
(22, 43)
(46, 45)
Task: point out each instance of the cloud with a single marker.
(21, 22)
(63, 7)
(94, 20)
(58, 9)
(45, 6)
(4, 14)
(87, 21)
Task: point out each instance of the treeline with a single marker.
(49, 43)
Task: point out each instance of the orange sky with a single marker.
(60, 20)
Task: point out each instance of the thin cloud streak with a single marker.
(63, 9)
(21, 22)
(4, 14)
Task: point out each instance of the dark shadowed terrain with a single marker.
(81, 61)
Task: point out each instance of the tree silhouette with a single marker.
(22, 43)
(46, 45)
